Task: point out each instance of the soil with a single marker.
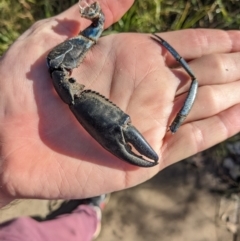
(177, 204)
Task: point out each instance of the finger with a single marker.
(194, 43)
(200, 135)
(211, 100)
(217, 68)
(210, 70)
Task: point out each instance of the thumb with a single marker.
(113, 11)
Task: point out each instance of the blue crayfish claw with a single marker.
(112, 129)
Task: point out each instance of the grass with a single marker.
(144, 16)
(163, 15)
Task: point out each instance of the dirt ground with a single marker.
(174, 205)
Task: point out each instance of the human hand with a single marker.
(24, 75)
(45, 153)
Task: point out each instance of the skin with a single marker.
(44, 151)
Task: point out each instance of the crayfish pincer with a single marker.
(102, 119)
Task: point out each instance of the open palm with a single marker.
(45, 153)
